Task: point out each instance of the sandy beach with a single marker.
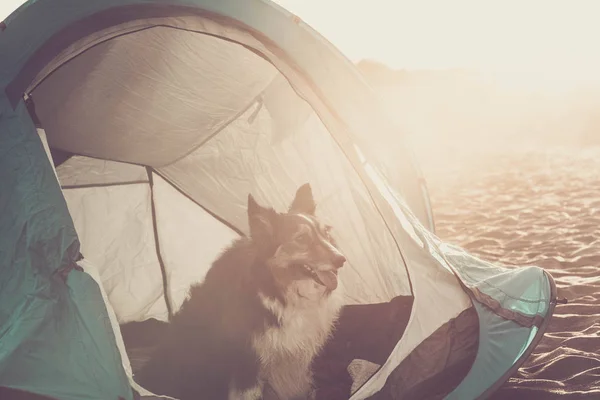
(534, 207)
(513, 179)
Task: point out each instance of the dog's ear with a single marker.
(304, 203)
(260, 220)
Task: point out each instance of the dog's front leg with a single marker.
(298, 388)
(253, 393)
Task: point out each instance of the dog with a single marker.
(267, 306)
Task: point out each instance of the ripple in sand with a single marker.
(540, 209)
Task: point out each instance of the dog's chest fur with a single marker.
(287, 350)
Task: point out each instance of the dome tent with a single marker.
(160, 119)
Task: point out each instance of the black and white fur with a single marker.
(266, 307)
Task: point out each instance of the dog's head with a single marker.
(296, 248)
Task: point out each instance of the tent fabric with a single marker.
(438, 364)
(246, 159)
(97, 167)
(307, 50)
(174, 113)
(80, 171)
(199, 239)
(134, 80)
(196, 190)
(527, 292)
(114, 225)
(54, 334)
(219, 168)
(91, 270)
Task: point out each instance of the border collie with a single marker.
(265, 309)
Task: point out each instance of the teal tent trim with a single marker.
(55, 335)
(504, 344)
(539, 334)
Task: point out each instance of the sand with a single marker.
(534, 207)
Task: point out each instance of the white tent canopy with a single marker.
(215, 122)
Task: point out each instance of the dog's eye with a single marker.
(303, 239)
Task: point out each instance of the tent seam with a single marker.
(532, 345)
(226, 123)
(163, 269)
(101, 185)
(171, 181)
(483, 298)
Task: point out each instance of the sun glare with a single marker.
(8, 6)
(520, 43)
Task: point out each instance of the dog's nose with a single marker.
(338, 261)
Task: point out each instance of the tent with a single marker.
(131, 132)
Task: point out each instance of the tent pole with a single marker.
(163, 270)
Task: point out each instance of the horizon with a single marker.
(467, 34)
